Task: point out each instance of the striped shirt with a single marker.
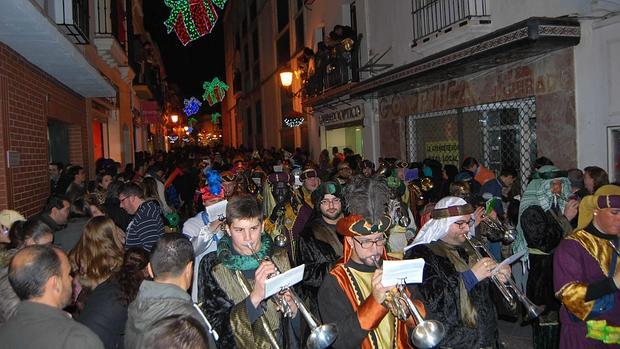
(146, 226)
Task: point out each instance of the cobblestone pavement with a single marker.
(514, 336)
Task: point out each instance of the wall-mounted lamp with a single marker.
(286, 79)
(174, 118)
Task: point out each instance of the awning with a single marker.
(531, 37)
(27, 30)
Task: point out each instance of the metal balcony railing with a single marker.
(334, 65)
(71, 16)
(110, 16)
(148, 74)
(433, 16)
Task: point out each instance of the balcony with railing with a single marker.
(111, 31)
(432, 18)
(334, 64)
(147, 83)
(71, 17)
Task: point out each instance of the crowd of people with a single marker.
(176, 251)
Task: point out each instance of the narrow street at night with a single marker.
(286, 174)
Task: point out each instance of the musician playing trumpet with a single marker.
(232, 284)
(455, 287)
(352, 296)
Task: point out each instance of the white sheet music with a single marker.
(509, 260)
(284, 280)
(410, 271)
(217, 211)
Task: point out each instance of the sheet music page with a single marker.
(410, 270)
(217, 211)
(283, 281)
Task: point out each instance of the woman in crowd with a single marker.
(105, 311)
(103, 181)
(594, 177)
(97, 255)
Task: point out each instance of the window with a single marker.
(259, 118)
(299, 32)
(255, 44)
(246, 57)
(282, 14)
(248, 120)
(253, 12)
(284, 48)
(499, 135)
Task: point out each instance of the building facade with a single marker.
(66, 91)
(263, 38)
(504, 82)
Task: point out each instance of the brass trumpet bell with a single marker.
(427, 333)
(426, 184)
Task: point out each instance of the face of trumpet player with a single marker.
(456, 236)
(607, 220)
(244, 232)
(458, 230)
(366, 248)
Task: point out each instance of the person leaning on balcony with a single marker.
(481, 173)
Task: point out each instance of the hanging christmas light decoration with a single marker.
(215, 90)
(214, 117)
(192, 19)
(293, 122)
(191, 122)
(192, 106)
(294, 119)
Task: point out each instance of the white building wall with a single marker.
(387, 24)
(597, 89)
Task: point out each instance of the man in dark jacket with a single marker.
(320, 246)
(171, 266)
(147, 224)
(40, 275)
(56, 212)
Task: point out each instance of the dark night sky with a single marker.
(187, 66)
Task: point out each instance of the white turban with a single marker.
(437, 228)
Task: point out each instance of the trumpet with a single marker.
(280, 239)
(321, 335)
(427, 333)
(507, 289)
(507, 232)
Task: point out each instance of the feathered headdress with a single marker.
(366, 201)
(213, 186)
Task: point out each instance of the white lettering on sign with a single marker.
(349, 114)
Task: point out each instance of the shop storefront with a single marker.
(505, 99)
(343, 129)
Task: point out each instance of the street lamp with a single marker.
(286, 78)
(174, 118)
